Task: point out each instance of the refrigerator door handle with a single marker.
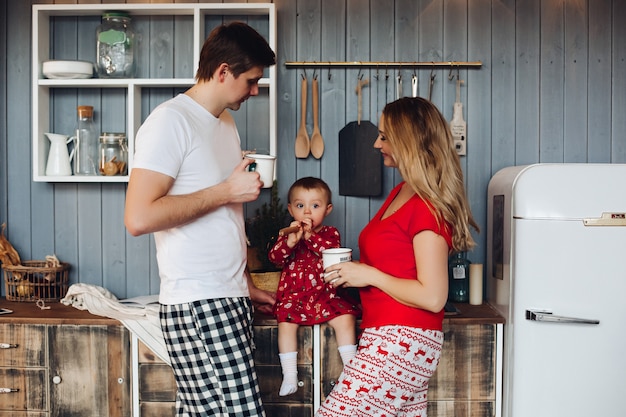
(536, 315)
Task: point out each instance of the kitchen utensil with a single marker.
(58, 157)
(457, 125)
(398, 86)
(414, 84)
(317, 142)
(57, 69)
(303, 144)
(431, 83)
(360, 165)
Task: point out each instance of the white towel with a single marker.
(142, 319)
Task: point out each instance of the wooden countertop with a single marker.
(30, 313)
(468, 314)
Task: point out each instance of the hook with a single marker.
(359, 75)
(386, 73)
(314, 72)
(303, 75)
(376, 76)
(450, 74)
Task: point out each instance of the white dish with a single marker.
(67, 69)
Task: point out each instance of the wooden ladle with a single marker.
(303, 145)
(317, 142)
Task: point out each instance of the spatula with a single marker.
(317, 142)
(303, 145)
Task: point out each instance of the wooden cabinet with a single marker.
(68, 362)
(23, 370)
(467, 378)
(89, 370)
(55, 367)
(466, 383)
(157, 387)
(168, 40)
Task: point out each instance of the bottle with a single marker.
(114, 43)
(458, 278)
(86, 143)
(113, 154)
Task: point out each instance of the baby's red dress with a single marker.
(302, 296)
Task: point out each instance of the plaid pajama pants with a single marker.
(210, 343)
(389, 375)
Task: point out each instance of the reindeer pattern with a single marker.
(389, 376)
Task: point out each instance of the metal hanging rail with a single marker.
(374, 64)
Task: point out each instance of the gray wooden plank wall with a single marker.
(551, 89)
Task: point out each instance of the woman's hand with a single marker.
(350, 274)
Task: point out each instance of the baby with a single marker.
(303, 298)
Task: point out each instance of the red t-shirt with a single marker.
(388, 246)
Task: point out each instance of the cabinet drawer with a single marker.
(32, 394)
(156, 382)
(467, 367)
(25, 346)
(269, 371)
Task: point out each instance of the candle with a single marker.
(476, 284)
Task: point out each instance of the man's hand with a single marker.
(262, 300)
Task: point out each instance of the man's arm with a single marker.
(149, 208)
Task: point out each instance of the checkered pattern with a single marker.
(210, 343)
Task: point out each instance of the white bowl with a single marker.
(67, 69)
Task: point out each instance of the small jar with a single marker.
(115, 46)
(113, 154)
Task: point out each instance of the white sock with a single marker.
(347, 352)
(289, 364)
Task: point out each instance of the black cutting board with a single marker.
(360, 164)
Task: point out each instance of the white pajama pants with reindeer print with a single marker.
(388, 376)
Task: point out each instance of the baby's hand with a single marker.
(307, 227)
(294, 237)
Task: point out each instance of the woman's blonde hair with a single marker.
(424, 150)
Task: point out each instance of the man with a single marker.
(188, 185)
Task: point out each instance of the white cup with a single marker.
(335, 256)
(264, 165)
(476, 284)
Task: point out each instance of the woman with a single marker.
(402, 274)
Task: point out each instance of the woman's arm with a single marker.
(429, 293)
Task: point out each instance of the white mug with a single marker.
(265, 166)
(336, 255)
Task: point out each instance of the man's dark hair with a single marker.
(236, 44)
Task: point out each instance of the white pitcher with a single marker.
(58, 157)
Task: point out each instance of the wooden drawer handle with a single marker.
(8, 390)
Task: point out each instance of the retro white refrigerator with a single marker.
(556, 270)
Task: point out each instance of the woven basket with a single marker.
(33, 280)
(266, 280)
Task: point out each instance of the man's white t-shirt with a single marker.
(206, 258)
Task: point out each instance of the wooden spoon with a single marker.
(317, 142)
(303, 145)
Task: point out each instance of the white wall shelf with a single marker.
(43, 90)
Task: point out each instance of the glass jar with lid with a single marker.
(115, 46)
(113, 158)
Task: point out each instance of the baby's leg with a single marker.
(288, 354)
(345, 332)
